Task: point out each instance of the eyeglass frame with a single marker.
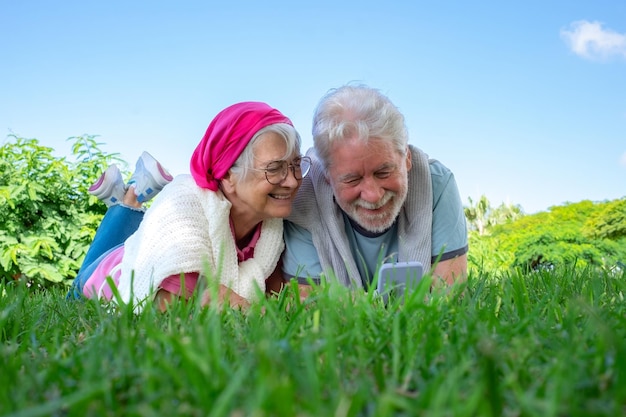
(285, 164)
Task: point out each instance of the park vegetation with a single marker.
(47, 217)
(538, 329)
(578, 234)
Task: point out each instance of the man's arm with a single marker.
(452, 270)
(449, 226)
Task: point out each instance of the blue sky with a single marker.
(524, 101)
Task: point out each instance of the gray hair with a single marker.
(242, 166)
(356, 110)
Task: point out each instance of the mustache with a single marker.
(374, 206)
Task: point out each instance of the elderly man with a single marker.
(371, 198)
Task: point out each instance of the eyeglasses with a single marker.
(277, 171)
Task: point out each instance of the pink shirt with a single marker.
(97, 286)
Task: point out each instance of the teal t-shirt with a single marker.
(449, 235)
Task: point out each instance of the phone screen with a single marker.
(394, 279)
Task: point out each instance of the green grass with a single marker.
(543, 344)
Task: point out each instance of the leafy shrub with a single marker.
(47, 218)
(609, 223)
(581, 234)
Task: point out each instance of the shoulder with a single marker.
(313, 195)
(181, 184)
(184, 187)
(438, 171)
(441, 177)
(292, 232)
(183, 202)
(440, 174)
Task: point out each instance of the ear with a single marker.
(228, 183)
(409, 162)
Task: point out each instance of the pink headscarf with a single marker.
(226, 138)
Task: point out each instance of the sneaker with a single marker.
(109, 187)
(149, 178)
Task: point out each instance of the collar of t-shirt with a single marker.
(246, 252)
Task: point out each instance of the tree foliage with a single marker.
(481, 217)
(609, 222)
(47, 218)
(581, 234)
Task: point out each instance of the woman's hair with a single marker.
(356, 111)
(241, 167)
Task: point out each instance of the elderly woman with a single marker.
(222, 223)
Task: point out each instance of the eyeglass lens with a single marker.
(277, 171)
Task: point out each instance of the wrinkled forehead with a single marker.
(357, 147)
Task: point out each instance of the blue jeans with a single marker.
(118, 224)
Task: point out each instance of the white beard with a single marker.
(377, 223)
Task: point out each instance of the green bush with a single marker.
(47, 218)
(583, 234)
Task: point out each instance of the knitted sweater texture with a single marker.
(187, 229)
(315, 210)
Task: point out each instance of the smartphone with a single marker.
(397, 278)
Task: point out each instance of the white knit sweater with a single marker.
(187, 229)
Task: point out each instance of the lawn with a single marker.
(548, 343)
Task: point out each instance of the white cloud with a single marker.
(622, 160)
(590, 40)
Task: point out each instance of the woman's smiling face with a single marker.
(253, 196)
